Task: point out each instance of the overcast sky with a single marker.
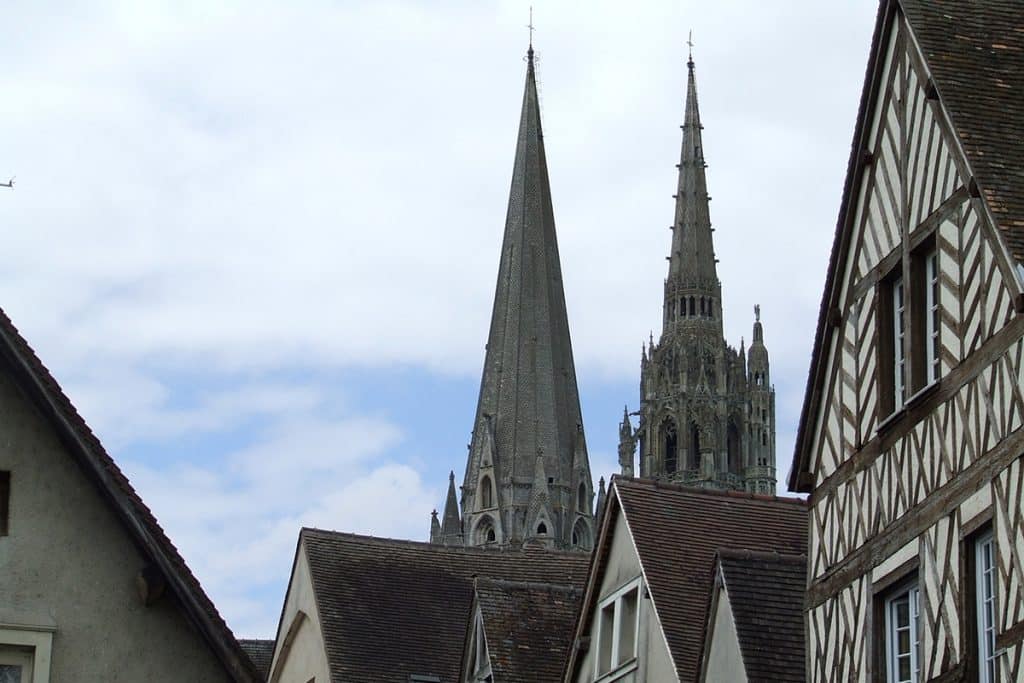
(256, 242)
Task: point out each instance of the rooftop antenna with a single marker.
(9, 183)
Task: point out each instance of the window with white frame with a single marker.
(25, 653)
(617, 625)
(931, 315)
(985, 608)
(902, 636)
(910, 314)
(899, 339)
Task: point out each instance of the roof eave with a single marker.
(800, 479)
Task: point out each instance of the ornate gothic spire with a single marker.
(692, 261)
(529, 402)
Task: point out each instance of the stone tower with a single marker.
(707, 414)
(528, 476)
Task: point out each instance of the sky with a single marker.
(256, 242)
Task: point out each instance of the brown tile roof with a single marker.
(391, 608)
(44, 392)
(677, 531)
(974, 50)
(529, 628)
(766, 593)
(261, 652)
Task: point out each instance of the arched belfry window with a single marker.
(694, 446)
(486, 493)
(580, 536)
(692, 307)
(581, 499)
(542, 529)
(733, 449)
(670, 445)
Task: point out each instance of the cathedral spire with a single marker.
(692, 261)
(528, 395)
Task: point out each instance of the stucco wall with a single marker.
(653, 661)
(69, 562)
(304, 659)
(725, 661)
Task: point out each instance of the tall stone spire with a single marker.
(700, 409)
(528, 417)
(692, 261)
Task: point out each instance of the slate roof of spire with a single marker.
(529, 380)
(677, 531)
(391, 608)
(693, 254)
(528, 627)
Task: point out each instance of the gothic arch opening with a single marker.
(542, 529)
(669, 445)
(732, 441)
(581, 536)
(485, 532)
(486, 493)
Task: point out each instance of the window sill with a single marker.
(628, 666)
(915, 399)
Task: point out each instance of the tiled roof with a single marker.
(766, 593)
(391, 608)
(261, 652)
(974, 50)
(677, 532)
(529, 628)
(45, 393)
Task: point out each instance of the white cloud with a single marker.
(228, 192)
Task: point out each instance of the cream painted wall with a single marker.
(653, 660)
(305, 658)
(724, 659)
(68, 564)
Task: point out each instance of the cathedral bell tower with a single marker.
(527, 479)
(706, 419)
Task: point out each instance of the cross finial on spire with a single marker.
(689, 42)
(532, 28)
(757, 313)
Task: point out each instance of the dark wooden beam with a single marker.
(920, 406)
(916, 521)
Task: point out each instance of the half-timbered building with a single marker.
(910, 438)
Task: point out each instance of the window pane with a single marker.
(10, 673)
(605, 635)
(627, 627)
(985, 608)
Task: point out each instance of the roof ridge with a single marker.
(657, 484)
(729, 553)
(470, 550)
(539, 585)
